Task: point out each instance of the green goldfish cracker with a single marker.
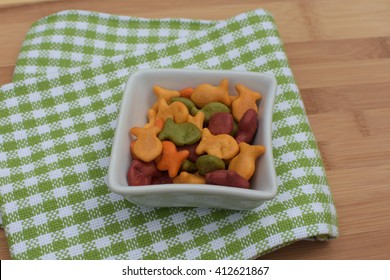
(180, 133)
(210, 108)
(189, 104)
(188, 166)
(209, 163)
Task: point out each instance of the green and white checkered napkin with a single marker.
(58, 120)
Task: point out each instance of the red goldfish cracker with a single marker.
(147, 147)
(197, 120)
(186, 92)
(247, 127)
(206, 93)
(176, 111)
(141, 173)
(170, 159)
(167, 94)
(188, 178)
(226, 178)
(244, 163)
(222, 146)
(246, 100)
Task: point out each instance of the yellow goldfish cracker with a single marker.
(147, 147)
(197, 120)
(246, 100)
(188, 178)
(206, 93)
(151, 117)
(176, 111)
(233, 97)
(153, 120)
(155, 106)
(222, 146)
(167, 94)
(244, 163)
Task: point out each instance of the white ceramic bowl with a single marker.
(138, 97)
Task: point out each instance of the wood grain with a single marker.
(4, 3)
(339, 52)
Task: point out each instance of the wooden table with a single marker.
(339, 52)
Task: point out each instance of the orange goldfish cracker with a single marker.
(244, 163)
(188, 178)
(197, 120)
(167, 94)
(176, 110)
(186, 92)
(147, 147)
(170, 159)
(206, 93)
(223, 146)
(246, 100)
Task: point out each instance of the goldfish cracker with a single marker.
(186, 92)
(163, 178)
(133, 156)
(247, 127)
(170, 159)
(141, 173)
(159, 123)
(209, 163)
(193, 156)
(221, 123)
(164, 93)
(188, 178)
(153, 120)
(189, 104)
(177, 111)
(197, 120)
(233, 97)
(244, 163)
(246, 100)
(147, 147)
(206, 93)
(223, 146)
(155, 106)
(226, 178)
(188, 166)
(210, 109)
(180, 133)
(196, 136)
(235, 129)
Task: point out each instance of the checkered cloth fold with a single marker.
(57, 123)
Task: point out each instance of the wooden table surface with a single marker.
(339, 52)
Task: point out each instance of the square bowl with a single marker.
(138, 97)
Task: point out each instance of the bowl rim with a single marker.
(203, 189)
